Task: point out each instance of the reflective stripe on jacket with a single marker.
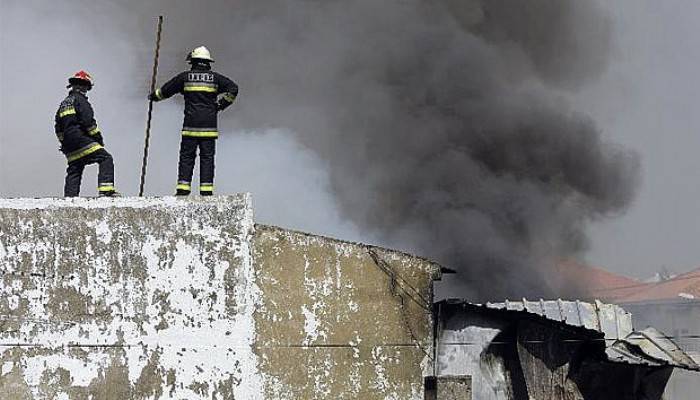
(201, 88)
(76, 128)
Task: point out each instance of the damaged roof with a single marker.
(622, 344)
(650, 347)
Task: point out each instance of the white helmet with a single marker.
(200, 53)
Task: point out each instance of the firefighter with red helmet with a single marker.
(81, 139)
(206, 93)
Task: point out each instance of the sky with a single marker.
(643, 101)
(648, 101)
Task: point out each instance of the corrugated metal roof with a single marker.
(612, 320)
(623, 344)
(650, 347)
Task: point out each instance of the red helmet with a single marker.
(81, 78)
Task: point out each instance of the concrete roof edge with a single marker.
(439, 268)
(51, 203)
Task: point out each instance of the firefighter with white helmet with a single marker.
(81, 139)
(206, 93)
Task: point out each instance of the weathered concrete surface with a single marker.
(328, 306)
(185, 299)
(454, 388)
(127, 298)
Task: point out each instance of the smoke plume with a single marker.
(444, 126)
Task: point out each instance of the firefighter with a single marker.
(201, 88)
(81, 139)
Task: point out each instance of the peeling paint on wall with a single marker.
(153, 297)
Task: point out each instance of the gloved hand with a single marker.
(99, 139)
(220, 106)
(153, 97)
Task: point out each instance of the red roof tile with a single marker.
(683, 286)
(597, 283)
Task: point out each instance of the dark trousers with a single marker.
(105, 176)
(188, 153)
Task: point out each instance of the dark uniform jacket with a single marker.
(201, 87)
(76, 128)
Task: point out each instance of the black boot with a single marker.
(182, 192)
(110, 193)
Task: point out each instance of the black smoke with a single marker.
(444, 125)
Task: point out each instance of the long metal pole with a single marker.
(150, 107)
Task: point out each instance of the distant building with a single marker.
(671, 305)
(674, 307)
(596, 283)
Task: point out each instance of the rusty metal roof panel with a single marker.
(610, 319)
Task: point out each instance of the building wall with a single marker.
(172, 298)
(464, 348)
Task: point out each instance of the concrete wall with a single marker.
(454, 388)
(171, 298)
(328, 306)
(127, 298)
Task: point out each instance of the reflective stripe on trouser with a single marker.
(74, 172)
(206, 187)
(200, 132)
(105, 187)
(183, 185)
(188, 153)
(83, 151)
